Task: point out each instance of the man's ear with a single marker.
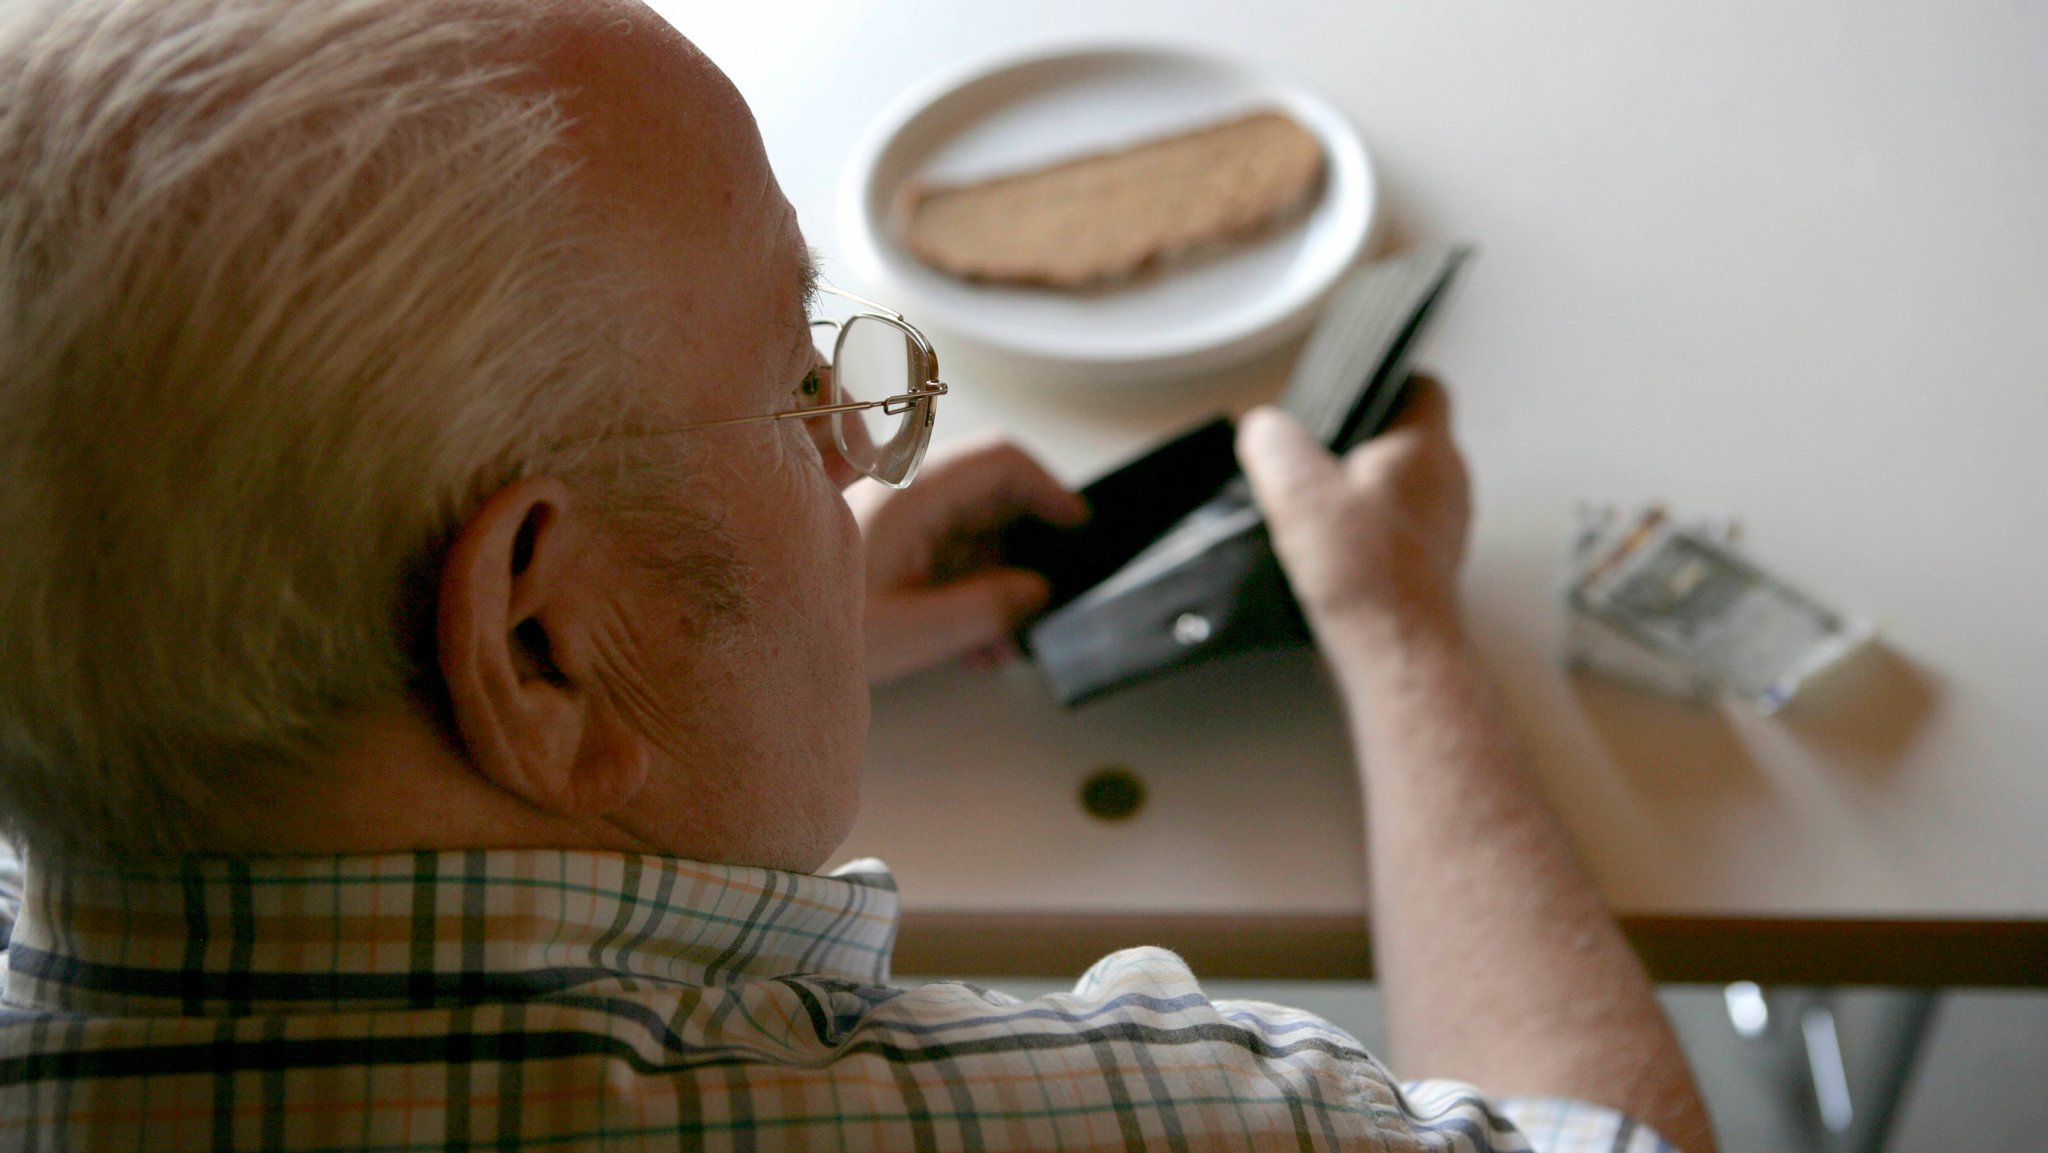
(516, 594)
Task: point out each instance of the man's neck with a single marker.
(400, 784)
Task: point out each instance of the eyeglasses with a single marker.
(873, 353)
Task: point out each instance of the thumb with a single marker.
(1283, 463)
(936, 624)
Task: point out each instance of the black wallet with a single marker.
(1175, 567)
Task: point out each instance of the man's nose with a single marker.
(817, 389)
(842, 473)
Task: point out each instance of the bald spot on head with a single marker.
(673, 171)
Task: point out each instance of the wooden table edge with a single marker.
(1687, 949)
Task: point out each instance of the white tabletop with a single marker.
(1785, 261)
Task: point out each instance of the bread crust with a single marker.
(1106, 218)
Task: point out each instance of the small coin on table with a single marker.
(1112, 793)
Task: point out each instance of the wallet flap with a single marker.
(1131, 507)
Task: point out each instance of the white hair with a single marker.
(285, 289)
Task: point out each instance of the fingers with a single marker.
(1428, 404)
(1422, 422)
(909, 631)
(989, 481)
(933, 591)
(989, 656)
(1280, 458)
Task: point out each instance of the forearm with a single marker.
(1499, 963)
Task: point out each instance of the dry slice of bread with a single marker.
(1095, 220)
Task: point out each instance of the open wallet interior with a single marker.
(1175, 567)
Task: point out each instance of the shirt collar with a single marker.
(231, 936)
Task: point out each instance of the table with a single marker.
(1787, 261)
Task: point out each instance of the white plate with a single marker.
(1019, 112)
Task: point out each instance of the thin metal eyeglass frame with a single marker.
(892, 405)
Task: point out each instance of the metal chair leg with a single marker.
(1847, 1107)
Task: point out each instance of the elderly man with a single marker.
(437, 648)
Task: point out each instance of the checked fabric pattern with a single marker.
(569, 1000)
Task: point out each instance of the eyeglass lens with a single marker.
(874, 359)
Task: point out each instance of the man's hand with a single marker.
(1373, 540)
(936, 589)
(1499, 964)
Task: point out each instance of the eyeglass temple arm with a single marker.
(938, 388)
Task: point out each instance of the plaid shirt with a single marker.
(570, 1000)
